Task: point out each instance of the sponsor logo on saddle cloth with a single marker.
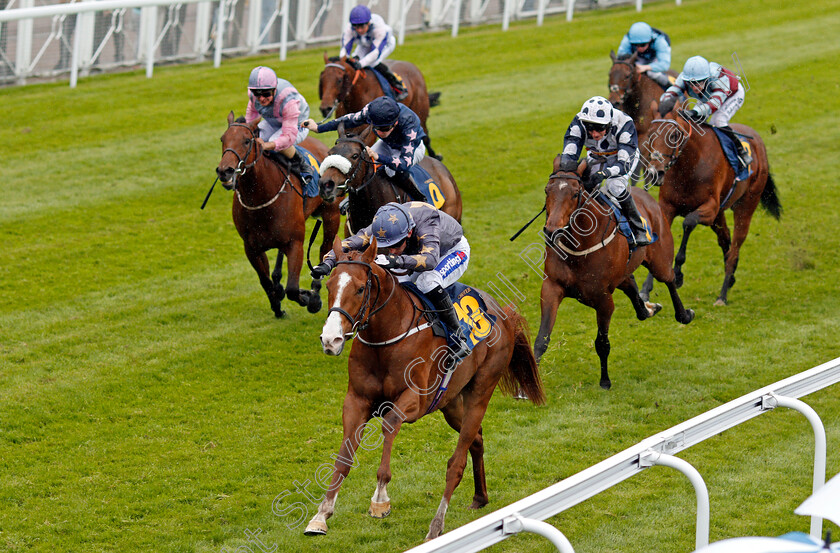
(470, 308)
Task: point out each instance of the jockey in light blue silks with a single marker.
(653, 51)
(374, 40)
(421, 244)
(718, 92)
(282, 109)
(612, 152)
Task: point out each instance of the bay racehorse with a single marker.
(395, 369)
(632, 92)
(269, 212)
(344, 89)
(369, 188)
(587, 259)
(687, 161)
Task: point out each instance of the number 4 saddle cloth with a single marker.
(472, 313)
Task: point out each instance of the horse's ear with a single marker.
(326, 58)
(370, 252)
(654, 109)
(230, 118)
(633, 57)
(365, 133)
(341, 132)
(612, 56)
(253, 124)
(337, 248)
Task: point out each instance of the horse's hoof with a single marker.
(606, 384)
(653, 308)
(520, 394)
(720, 303)
(314, 304)
(689, 316)
(379, 510)
(279, 314)
(316, 528)
(479, 503)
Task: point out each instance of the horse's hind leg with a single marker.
(647, 287)
(295, 254)
(454, 415)
(604, 313)
(277, 276)
(643, 310)
(428, 143)
(259, 261)
(659, 265)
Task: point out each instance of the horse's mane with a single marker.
(240, 119)
(334, 59)
(623, 57)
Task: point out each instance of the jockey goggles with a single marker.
(595, 127)
(262, 93)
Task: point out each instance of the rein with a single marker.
(675, 150)
(364, 159)
(586, 198)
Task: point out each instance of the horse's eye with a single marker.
(355, 156)
(360, 290)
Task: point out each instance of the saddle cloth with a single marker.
(383, 82)
(427, 186)
(623, 224)
(730, 150)
(311, 189)
(475, 321)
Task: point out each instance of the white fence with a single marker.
(527, 514)
(51, 41)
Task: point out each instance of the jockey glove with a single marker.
(596, 178)
(386, 261)
(694, 116)
(569, 165)
(320, 271)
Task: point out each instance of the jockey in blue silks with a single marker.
(653, 51)
(400, 135)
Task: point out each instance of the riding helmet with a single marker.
(262, 78)
(640, 33)
(359, 15)
(383, 111)
(596, 110)
(391, 224)
(696, 69)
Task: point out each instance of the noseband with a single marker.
(242, 167)
(364, 159)
(675, 150)
(583, 198)
(626, 91)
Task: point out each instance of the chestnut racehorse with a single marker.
(395, 370)
(344, 89)
(269, 212)
(587, 259)
(688, 163)
(369, 188)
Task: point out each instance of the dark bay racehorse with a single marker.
(344, 89)
(369, 188)
(395, 370)
(587, 259)
(632, 92)
(688, 163)
(269, 212)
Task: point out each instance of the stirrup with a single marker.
(400, 96)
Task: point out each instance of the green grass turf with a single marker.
(149, 401)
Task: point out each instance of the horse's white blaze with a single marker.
(339, 162)
(332, 333)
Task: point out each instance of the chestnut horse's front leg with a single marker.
(551, 295)
(356, 414)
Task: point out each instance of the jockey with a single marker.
(719, 95)
(400, 135)
(375, 41)
(612, 147)
(282, 109)
(424, 244)
(653, 49)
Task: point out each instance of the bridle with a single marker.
(362, 318)
(364, 159)
(632, 77)
(346, 85)
(583, 198)
(656, 155)
(242, 167)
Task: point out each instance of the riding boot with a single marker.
(301, 166)
(395, 82)
(659, 78)
(742, 152)
(404, 180)
(628, 207)
(446, 312)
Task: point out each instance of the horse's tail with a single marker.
(434, 99)
(770, 198)
(523, 371)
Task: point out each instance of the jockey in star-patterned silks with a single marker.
(420, 243)
(374, 41)
(400, 135)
